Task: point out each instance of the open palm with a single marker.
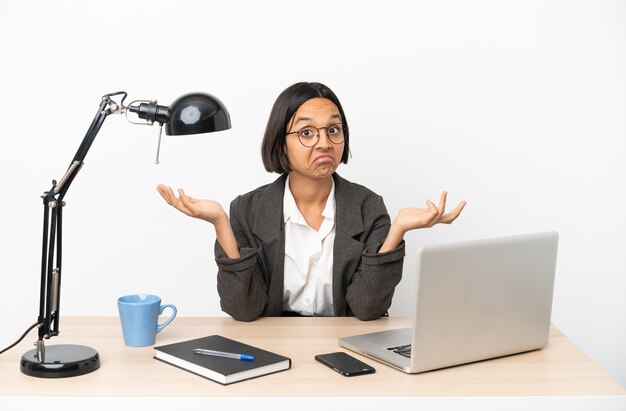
(414, 217)
(207, 210)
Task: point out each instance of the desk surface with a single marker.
(560, 369)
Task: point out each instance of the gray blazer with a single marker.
(363, 280)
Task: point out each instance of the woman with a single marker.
(311, 242)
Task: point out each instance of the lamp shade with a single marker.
(196, 113)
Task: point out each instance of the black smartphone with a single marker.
(345, 364)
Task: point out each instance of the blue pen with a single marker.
(242, 357)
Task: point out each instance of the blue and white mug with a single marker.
(139, 314)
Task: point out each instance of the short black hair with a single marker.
(288, 102)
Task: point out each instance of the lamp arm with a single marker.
(107, 107)
(49, 297)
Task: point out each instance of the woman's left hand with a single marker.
(413, 218)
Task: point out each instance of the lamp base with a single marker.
(61, 361)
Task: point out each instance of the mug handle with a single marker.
(169, 320)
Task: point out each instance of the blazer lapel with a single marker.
(348, 214)
(346, 250)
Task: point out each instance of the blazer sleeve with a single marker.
(241, 284)
(370, 292)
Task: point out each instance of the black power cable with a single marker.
(20, 339)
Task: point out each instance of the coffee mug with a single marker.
(139, 314)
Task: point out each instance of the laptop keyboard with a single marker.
(403, 350)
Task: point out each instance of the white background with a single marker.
(517, 107)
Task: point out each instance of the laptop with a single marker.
(474, 300)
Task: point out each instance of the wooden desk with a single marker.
(560, 369)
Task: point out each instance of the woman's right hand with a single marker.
(207, 210)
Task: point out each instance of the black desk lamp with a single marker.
(191, 114)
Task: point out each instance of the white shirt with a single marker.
(308, 275)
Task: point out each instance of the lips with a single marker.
(324, 158)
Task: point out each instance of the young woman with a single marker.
(311, 242)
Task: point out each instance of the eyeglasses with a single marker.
(309, 135)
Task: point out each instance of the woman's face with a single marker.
(324, 156)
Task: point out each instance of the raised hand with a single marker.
(413, 218)
(207, 210)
